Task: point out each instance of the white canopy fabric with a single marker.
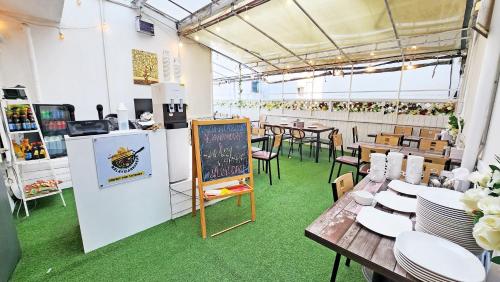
(280, 35)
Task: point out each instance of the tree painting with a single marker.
(145, 67)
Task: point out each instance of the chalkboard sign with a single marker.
(223, 150)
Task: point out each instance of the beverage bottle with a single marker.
(41, 151)
(10, 122)
(35, 152)
(27, 154)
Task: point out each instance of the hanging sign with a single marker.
(123, 158)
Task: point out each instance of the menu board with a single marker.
(223, 150)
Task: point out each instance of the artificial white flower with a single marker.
(487, 232)
(489, 205)
(480, 179)
(471, 197)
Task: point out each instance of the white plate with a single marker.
(382, 222)
(444, 197)
(442, 210)
(396, 202)
(406, 188)
(417, 272)
(440, 256)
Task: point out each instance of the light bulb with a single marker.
(372, 54)
(246, 17)
(311, 62)
(339, 57)
(196, 37)
(105, 27)
(370, 69)
(217, 29)
(61, 35)
(180, 44)
(414, 47)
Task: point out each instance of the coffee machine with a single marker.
(169, 110)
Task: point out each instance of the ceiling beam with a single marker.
(242, 48)
(180, 7)
(322, 30)
(394, 29)
(274, 40)
(194, 22)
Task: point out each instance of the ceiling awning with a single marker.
(274, 36)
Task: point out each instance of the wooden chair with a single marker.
(404, 130)
(430, 168)
(267, 156)
(262, 121)
(299, 138)
(427, 144)
(258, 132)
(328, 140)
(429, 133)
(347, 160)
(340, 186)
(355, 139)
(391, 140)
(363, 164)
(277, 130)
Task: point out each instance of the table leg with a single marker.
(317, 146)
(335, 267)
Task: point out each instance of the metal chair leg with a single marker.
(278, 164)
(270, 177)
(331, 172)
(335, 268)
(340, 166)
(347, 262)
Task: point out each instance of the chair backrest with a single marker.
(392, 140)
(277, 143)
(427, 144)
(262, 120)
(431, 168)
(337, 140)
(297, 133)
(429, 133)
(366, 151)
(276, 130)
(355, 137)
(342, 185)
(436, 159)
(405, 130)
(335, 131)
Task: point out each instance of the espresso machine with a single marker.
(169, 110)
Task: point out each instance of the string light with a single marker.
(414, 47)
(180, 44)
(372, 54)
(311, 62)
(339, 57)
(410, 66)
(105, 27)
(196, 37)
(246, 17)
(370, 69)
(61, 35)
(217, 29)
(338, 73)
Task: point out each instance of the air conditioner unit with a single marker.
(145, 27)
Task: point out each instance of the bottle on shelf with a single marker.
(41, 150)
(35, 152)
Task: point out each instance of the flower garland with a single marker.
(426, 109)
(405, 108)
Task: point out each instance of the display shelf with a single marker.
(24, 131)
(42, 195)
(16, 102)
(54, 132)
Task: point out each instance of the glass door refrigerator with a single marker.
(52, 119)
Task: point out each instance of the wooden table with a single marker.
(338, 230)
(409, 138)
(261, 138)
(315, 130)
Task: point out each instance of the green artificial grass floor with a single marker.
(273, 248)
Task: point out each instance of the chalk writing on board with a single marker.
(223, 150)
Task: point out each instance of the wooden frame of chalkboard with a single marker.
(222, 152)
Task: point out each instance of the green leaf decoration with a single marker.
(477, 216)
(495, 259)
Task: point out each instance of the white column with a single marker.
(484, 93)
(37, 93)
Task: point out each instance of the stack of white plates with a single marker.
(440, 213)
(430, 258)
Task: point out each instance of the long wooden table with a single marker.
(338, 230)
(313, 129)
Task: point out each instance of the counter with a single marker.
(131, 204)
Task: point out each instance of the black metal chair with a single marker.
(342, 159)
(299, 138)
(268, 156)
(340, 186)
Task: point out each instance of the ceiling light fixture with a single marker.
(61, 35)
(196, 37)
(217, 29)
(370, 69)
(372, 54)
(414, 47)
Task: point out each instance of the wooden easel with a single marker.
(246, 179)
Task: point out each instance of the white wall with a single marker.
(73, 70)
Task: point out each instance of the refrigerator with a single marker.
(52, 119)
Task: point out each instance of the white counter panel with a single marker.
(110, 214)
